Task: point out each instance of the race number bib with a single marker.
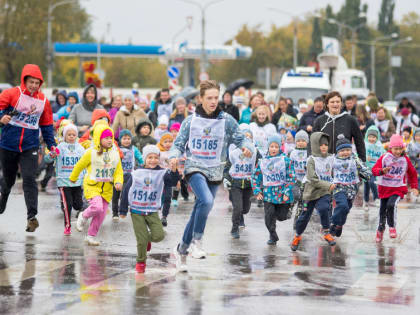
(29, 112)
(273, 171)
(127, 162)
(345, 172)
(323, 167)
(395, 176)
(298, 158)
(145, 194)
(70, 154)
(164, 109)
(206, 140)
(103, 166)
(260, 140)
(242, 167)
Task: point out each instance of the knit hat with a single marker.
(69, 127)
(405, 111)
(106, 133)
(163, 120)
(302, 135)
(342, 143)
(396, 142)
(372, 132)
(175, 126)
(150, 149)
(129, 96)
(275, 138)
(125, 132)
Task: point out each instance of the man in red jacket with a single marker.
(395, 172)
(24, 110)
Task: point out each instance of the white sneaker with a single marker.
(180, 261)
(91, 240)
(81, 221)
(365, 206)
(197, 251)
(115, 218)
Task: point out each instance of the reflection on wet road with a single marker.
(47, 273)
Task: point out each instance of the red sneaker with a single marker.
(149, 246)
(140, 267)
(379, 236)
(67, 231)
(392, 232)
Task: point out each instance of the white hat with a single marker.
(163, 120)
(150, 149)
(69, 127)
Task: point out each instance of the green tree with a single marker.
(316, 45)
(23, 33)
(329, 29)
(386, 17)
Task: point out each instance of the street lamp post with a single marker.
(390, 78)
(203, 8)
(372, 58)
(51, 8)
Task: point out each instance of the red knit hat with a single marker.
(396, 142)
(106, 133)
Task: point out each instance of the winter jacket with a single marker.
(261, 132)
(170, 180)
(315, 188)
(56, 106)
(64, 111)
(66, 161)
(179, 118)
(128, 120)
(112, 113)
(138, 158)
(246, 116)
(309, 118)
(386, 128)
(81, 114)
(97, 114)
(160, 109)
(231, 109)
(368, 124)
(232, 134)
(413, 152)
(373, 151)
(141, 141)
(411, 121)
(277, 115)
(341, 124)
(92, 188)
(410, 178)
(275, 194)
(18, 139)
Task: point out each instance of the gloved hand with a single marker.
(54, 152)
(227, 184)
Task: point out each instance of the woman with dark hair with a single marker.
(334, 122)
(284, 113)
(363, 119)
(227, 106)
(254, 102)
(385, 124)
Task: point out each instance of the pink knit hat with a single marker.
(396, 142)
(176, 126)
(106, 133)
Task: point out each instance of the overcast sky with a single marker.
(157, 21)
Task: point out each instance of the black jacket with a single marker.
(230, 109)
(342, 124)
(308, 119)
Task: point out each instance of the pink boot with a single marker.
(392, 232)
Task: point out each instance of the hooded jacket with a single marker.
(18, 139)
(373, 150)
(64, 111)
(81, 114)
(341, 124)
(315, 188)
(91, 187)
(56, 106)
(413, 150)
(125, 119)
(141, 141)
(308, 119)
(97, 114)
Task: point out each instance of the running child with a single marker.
(237, 178)
(144, 134)
(132, 156)
(395, 172)
(68, 153)
(142, 194)
(347, 169)
(272, 182)
(318, 188)
(374, 150)
(104, 171)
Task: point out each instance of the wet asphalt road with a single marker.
(48, 273)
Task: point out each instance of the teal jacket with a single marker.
(246, 116)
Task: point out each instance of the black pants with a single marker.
(116, 196)
(71, 198)
(167, 198)
(184, 190)
(49, 173)
(274, 212)
(241, 203)
(387, 211)
(28, 162)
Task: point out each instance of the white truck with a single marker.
(334, 75)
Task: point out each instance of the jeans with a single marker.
(342, 209)
(387, 212)
(28, 162)
(97, 211)
(322, 205)
(370, 185)
(205, 194)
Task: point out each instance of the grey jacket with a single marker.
(80, 116)
(314, 187)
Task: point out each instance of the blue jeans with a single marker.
(322, 205)
(342, 209)
(205, 195)
(370, 185)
